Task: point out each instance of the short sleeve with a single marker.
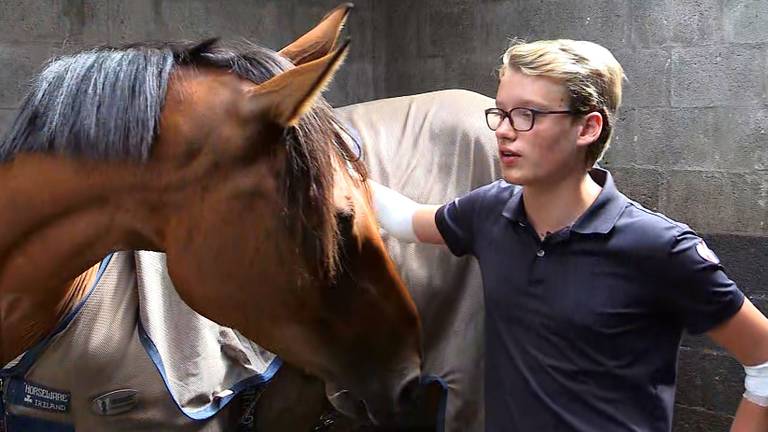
(700, 292)
(456, 221)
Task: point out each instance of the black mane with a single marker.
(102, 103)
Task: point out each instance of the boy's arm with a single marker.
(424, 225)
(403, 218)
(745, 336)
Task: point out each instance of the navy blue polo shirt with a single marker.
(583, 328)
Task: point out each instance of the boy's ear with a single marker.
(591, 128)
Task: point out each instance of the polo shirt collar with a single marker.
(514, 210)
(600, 217)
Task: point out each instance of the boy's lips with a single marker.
(508, 157)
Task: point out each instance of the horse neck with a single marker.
(59, 218)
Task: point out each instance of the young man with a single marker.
(587, 293)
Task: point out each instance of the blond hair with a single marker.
(590, 73)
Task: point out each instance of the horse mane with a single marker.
(102, 104)
(105, 104)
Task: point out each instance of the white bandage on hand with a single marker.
(394, 212)
(756, 384)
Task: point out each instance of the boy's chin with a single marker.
(512, 177)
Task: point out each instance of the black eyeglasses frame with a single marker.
(533, 111)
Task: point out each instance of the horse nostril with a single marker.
(409, 393)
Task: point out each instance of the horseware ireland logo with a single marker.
(39, 397)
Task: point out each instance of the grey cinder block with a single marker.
(263, 21)
(647, 72)
(718, 138)
(709, 380)
(746, 21)
(20, 62)
(639, 184)
(744, 258)
(692, 419)
(731, 75)
(602, 21)
(81, 21)
(672, 22)
(717, 202)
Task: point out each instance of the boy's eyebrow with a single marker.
(527, 103)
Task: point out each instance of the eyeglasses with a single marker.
(521, 119)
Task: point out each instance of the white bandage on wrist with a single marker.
(394, 212)
(756, 384)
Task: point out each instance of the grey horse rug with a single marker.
(133, 356)
(435, 147)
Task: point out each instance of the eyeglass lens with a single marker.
(522, 119)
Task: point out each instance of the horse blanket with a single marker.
(133, 356)
(434, 147)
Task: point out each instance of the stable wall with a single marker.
(691, 138)
(31, 31)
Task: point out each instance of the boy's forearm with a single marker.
(750, 417)
(394, 212)
(404, 218)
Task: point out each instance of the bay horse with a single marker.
(230, 163)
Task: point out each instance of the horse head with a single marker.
(248, 187)
(313, 284)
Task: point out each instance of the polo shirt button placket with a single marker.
(540, 253)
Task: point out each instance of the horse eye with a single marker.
(344, 219)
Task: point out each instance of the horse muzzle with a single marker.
(414, 403)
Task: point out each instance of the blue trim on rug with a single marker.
(440, 420)
(357, 140)
(217, 404)
(31, 355)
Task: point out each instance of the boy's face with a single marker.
(548, 152)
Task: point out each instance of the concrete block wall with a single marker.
(35, 30)
(692, 138)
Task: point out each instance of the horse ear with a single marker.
(320, 40)
(286, 97)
